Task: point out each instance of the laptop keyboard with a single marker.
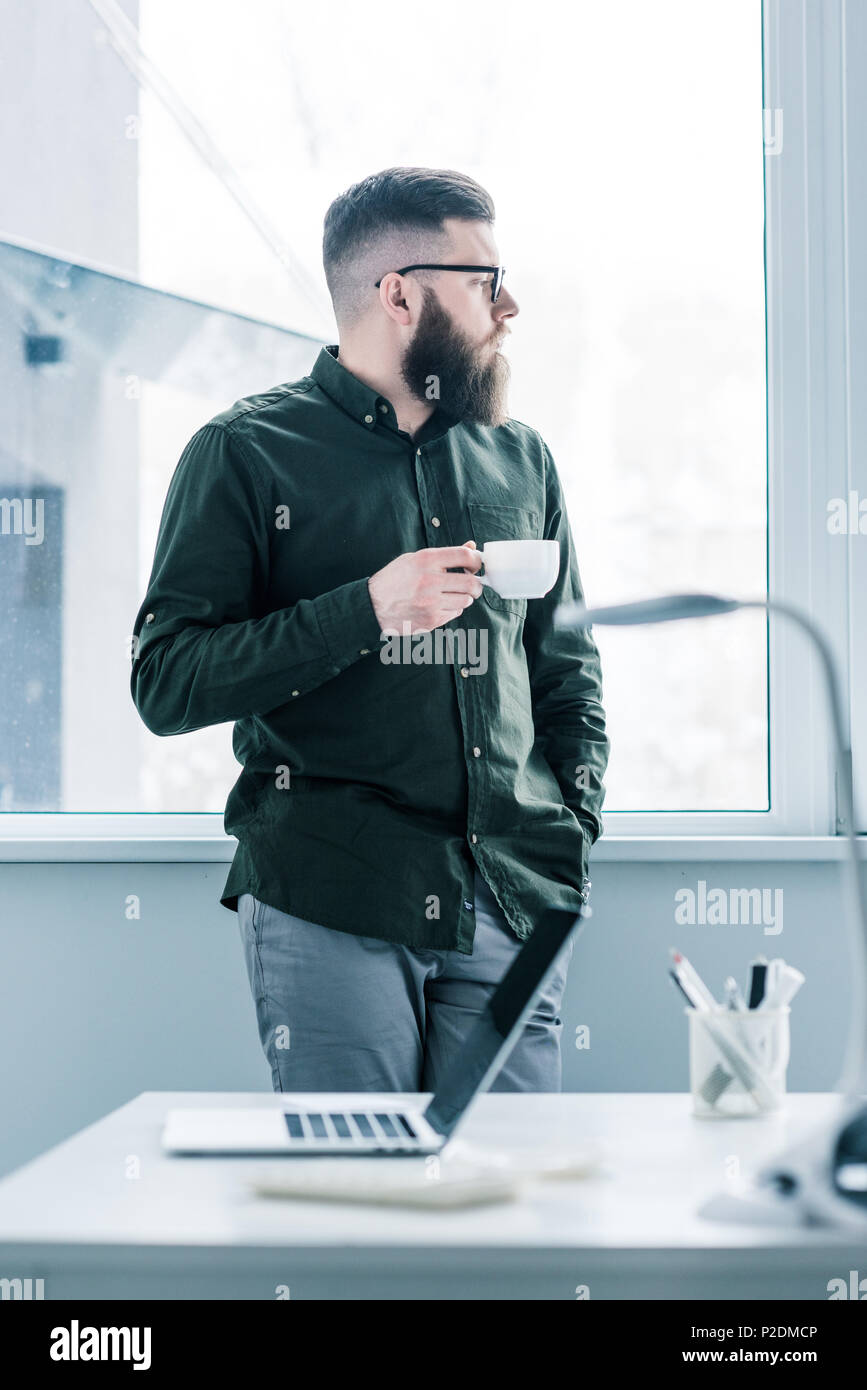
(348, 1126)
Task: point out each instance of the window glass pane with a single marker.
(108, 385)
(629, 197)
(622, 144)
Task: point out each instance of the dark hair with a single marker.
(390, 219)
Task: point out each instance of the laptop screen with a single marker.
(501, 1023)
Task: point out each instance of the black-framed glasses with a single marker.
(498, 271)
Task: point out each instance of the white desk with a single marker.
(186, 1228)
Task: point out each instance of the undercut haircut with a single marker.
(391, 219)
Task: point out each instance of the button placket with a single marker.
(430, 502)
(477, 791)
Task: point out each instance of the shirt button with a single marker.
(149, 618)
(475, 839)
(418, 453)
(477, 752)
(464, 671)
(365, 651)
(384, 409)
(296, 692)
(468, 905)
(434, 521)
(368, 419)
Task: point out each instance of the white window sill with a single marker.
(202, 849)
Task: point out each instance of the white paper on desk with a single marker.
(421, 1182)
(466, 1176)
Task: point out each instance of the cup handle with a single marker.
(481, 578)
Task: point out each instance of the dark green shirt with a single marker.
(370, 786)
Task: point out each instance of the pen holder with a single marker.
(738, 1060)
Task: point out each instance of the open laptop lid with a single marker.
(501, 1023)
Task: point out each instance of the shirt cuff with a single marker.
(348, 623)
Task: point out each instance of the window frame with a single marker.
(854, 19)
(810, 307)
(815, 426)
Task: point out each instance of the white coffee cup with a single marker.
(520, 569)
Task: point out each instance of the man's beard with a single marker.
(442, 366)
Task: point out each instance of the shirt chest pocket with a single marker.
(492, 522)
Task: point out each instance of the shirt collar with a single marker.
(360, 401)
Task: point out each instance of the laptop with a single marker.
(304, 1124)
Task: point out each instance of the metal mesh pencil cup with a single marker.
(738, 1060)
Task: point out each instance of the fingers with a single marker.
(451, 556)
(459, 583)
(450, 614)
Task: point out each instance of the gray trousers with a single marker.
(338, 1012)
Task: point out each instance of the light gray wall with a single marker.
(95, 1008)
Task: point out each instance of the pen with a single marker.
(717, 1080)
(733, 997)
(788, 982)
(773, 975)
(692, 1000)
(756, 981)
(693, 979)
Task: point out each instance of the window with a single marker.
(108, 381)
(641, 199)
(630, 214)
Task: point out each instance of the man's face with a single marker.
(453, 358)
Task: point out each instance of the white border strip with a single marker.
(636, 849)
